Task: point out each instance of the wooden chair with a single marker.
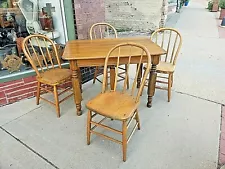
(170, 40)
(43, 56)
(118, 104)
(101, 31)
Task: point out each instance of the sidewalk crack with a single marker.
(198, 97)
(28, 147)
(20, 116)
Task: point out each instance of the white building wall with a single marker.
(138, 15)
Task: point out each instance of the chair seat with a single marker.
(114, 105)
(165, 67)
(54, 76)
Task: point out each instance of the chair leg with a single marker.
(169, 87)
(38, 93)
(146, 82)
(172, 80)
(128, 84)
(138, 120)
(88, 127)
(124, 140)
(96, 73)
(107, 80)
(56, 101)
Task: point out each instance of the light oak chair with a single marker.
(42, 54)
(119, 103)
(101, 31)
(170, 40)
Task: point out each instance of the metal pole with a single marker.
(177, 8)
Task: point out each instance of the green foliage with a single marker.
(123, 29)
(210, 5)
(4, 4)
(222, 4)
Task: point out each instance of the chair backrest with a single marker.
(170, 40)
(102, 30)
(127, 53)
(41, 52)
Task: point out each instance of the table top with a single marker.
(95, 49)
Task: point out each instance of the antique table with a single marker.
(85, 53)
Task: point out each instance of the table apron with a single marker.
(113, 61)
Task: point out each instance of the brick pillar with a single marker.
(215, 6)
(88, 12)
(164, 11)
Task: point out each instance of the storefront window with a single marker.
(20, 18)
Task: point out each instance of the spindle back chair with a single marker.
(171, 41)
(42, 54)
(119, 103)
(102, 31)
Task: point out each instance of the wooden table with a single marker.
(85, 53)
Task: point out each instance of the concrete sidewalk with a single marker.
(182, 134)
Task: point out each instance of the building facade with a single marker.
(136, 15)
(72, 19)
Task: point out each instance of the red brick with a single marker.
(222, 139)
(21, 87)
(3, 88)
(21, 92)
(3, 102)
(222, 152)
(2, 94)
(29, 79)
(11, 82)
(15, 99)
(65, 85)
(87, 14)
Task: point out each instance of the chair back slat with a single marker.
(117, 71)
(124, 54)
(107, 31)
(127, 72)
(168, 46)
(102, 30)
(48, 54)
(163, 37)
(36, 56)
(174, 47)
(172, 38)
(40, 52)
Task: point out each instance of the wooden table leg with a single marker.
(139, 76)
(76, 85)
(152, 81)
(80, 79)
(112, 77)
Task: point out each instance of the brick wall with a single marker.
(88, 12)
(16, 90)
(138, 15)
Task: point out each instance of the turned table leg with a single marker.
(112, 77)
(76, 85)
(80, 79)
(139, 75)
(152, 81)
